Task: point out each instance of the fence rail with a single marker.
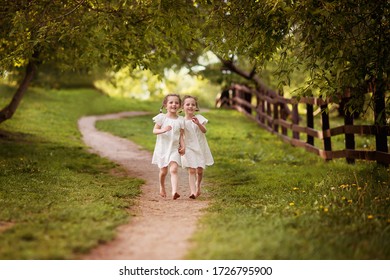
(279, 115)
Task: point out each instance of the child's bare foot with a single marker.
(192, 196)
(197, 193)
(162, 192)
(176, 196)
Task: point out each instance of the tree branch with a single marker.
(251, 76)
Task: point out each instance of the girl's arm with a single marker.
(202, 127)
(182, 148)
(158, 130)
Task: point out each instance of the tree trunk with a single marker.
(380, 119)
(8, 111)
(380, 88)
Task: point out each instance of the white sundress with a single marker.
(197, 152)
(167, 144)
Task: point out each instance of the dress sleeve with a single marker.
(202, 119)
(159, 119)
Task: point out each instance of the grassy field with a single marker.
(268, 199)
(56, 199)
(274, 201)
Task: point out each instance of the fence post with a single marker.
(310, 123)
(295, 119)
(283, 115)
(262, 110)
(235, 94)
(248, 98)
(276, 117)
(269, 113)
(325, 127)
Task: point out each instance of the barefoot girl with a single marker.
(169, 129)
(198, 153)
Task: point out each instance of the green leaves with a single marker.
(337, 36)
(75, 33)
(346, 41)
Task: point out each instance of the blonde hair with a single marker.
(193, 97)
(165, 100)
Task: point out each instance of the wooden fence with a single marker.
(280, 116)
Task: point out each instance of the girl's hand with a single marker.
(201, 126)
(195, 120)
(182, 151)
(167, 128)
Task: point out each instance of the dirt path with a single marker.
(160, 228)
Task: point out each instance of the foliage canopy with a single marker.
(344, 45)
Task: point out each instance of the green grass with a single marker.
(273, 201)
(268, 200)
(59, 199)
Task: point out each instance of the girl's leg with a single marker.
(199, 177)
(173, 169)
(162, 175)
(191, 181)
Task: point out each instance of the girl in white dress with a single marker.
(169, 129)
(198, 154)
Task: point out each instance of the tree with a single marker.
(344, 45)
(77, 34)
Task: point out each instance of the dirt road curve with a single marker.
(161, 227)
